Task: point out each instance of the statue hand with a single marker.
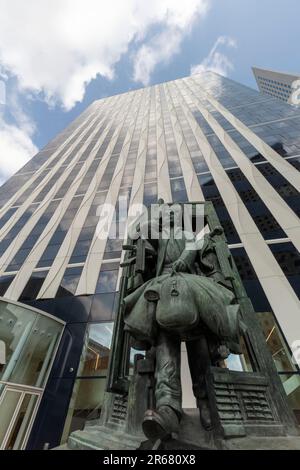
(179, 266)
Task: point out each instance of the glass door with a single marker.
(29, 340)
(18, 406)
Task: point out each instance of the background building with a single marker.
(276, 84)
(200, 138)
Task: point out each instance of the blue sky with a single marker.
(57, 56)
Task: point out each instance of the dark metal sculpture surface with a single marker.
(171, 294)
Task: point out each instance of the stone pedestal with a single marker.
(191, 437)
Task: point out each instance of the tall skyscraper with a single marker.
(277, 84)
(199, 138)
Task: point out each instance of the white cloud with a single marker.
(55, 48)
(160, 49)
(51, 49)
(16, 145)
(16, 148)
(217, 61)
(179, 19)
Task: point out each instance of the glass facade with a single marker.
(204, 137)
(276, 84)
(29, 341)
(89, 388)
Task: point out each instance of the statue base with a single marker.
(243, 417)
(191, 437)
(102, 438)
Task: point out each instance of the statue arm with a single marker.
(187, 259)
(188, 256)
(193, 251)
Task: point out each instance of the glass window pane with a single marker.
(8, 404)
(89, 389)
(96, 353)
(21, 422)
(36, 354)
(30, 341)
(85, 405)
(276, 343)
(291, 385)
(33, 286)
(69, 282)
(107, 282)
(5, 282)
(14, 326)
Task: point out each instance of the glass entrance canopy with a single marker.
(29, 340)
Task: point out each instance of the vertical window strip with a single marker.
(95, 257)
(78, 245)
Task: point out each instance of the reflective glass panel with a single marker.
(96, 351)
(30, 342)
(17, 434)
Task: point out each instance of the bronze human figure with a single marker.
(171, 293)
(186, 299)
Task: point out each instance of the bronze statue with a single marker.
(173, 290)
(185, 298)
